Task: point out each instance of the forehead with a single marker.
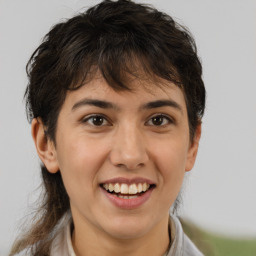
(142, 95)
(140, 91)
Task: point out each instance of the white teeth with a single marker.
(126, 197)
(139, 188)
(124, 189)
(117, 188)
(145, 187)
(133, 189)
(132, 197)
(111, 187)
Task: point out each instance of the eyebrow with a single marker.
(109, 105)
(162, 103)
(94, 102)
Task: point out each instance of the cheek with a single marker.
(79, 163)
(80, 154)
(170, 159)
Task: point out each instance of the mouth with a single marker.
(127, 191)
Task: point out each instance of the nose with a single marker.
(129, 149)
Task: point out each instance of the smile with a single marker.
(126, 191)
(128, 195)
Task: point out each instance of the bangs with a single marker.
(119, 65)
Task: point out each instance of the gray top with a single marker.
(181, 245)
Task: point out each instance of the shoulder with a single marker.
(62, 245)
(181, 244)
(22, 253)
(189, 248)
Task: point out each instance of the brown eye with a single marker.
(96, 120)
(159, 120)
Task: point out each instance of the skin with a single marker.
(128, 143)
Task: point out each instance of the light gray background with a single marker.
(220, 192)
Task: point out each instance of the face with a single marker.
(123, 155)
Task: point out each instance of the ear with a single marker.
(193, 148)
(44, 146)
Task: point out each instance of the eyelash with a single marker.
(89, 120)
(167, 119)
(91, 117)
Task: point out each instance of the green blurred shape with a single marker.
(215, 245)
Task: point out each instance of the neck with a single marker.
(97, 243)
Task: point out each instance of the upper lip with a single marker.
(128, 181)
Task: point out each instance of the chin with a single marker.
(128, 228)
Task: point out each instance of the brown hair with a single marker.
(113, 38)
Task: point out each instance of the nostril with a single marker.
(130, 166)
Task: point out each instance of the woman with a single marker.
(115, 97)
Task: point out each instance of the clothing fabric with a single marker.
(180, 245)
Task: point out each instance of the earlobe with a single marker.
(44, 146)
(192, 152)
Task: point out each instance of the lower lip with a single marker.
(131, 203)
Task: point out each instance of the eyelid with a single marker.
(169, 119)
(88, 117)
